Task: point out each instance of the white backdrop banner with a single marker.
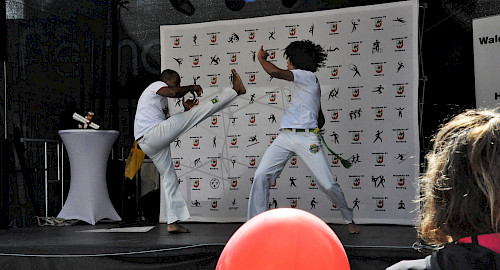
(369, 98)
(486, 33)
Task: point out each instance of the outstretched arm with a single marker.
(271, 69)
(180, 91)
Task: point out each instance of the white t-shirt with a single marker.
(305, 101)
(152, 109)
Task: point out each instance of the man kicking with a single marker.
(155, 129)
(297, 130)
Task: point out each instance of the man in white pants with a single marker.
(155, 129)
(297, 126)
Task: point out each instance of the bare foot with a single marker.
(353, 228)
(238, 85)
(176, 228)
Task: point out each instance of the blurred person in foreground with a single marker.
(460, 200)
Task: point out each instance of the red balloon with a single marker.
(284, 238)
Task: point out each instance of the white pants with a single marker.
(156, 144)
(278, 153)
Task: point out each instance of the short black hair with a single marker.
(169, 74)
(305, 55)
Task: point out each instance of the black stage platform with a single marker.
(71, 247)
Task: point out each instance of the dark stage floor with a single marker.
(70, 247)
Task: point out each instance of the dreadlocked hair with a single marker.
(305, 55)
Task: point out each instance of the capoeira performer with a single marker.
(297, 128)
(155, 129)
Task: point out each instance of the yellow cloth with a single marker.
(134, 161)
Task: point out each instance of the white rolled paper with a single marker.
(84, 120)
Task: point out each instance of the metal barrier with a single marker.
(60, 166)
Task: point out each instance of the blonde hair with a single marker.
(461, 185)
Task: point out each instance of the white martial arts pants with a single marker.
(278, 153)
(156, 144)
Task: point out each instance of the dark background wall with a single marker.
(71, 55)
(66, 56)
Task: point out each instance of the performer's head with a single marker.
(171, 78)
(461, 185)
(305, 55)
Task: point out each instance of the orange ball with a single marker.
(284, 238)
